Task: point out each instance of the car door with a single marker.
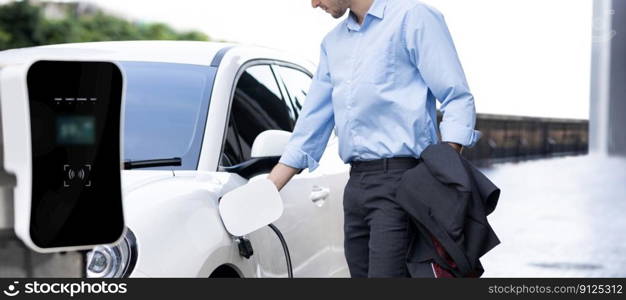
(260, 104)
(333, 172)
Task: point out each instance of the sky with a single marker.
(521, 57)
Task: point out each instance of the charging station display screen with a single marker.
(75, 130)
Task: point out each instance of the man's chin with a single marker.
(338, 14)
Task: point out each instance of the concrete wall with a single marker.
(617, 104)
(607, 122)
(18, 261)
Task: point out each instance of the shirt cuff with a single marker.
(298, 159)
(465, 136)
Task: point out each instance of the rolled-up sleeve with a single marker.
(431, 49)
(315, 123)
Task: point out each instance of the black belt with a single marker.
(384, 164)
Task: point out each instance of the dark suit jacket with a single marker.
(448, 199)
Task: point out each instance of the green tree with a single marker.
(22, 24)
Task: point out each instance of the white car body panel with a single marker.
(177, 225)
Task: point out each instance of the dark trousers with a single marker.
(377, 231)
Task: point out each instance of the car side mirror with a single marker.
(270, 143)
(250, 207)
(266, 151)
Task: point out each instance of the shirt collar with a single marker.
(376, 10)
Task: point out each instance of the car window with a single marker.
(233, 153)
(297, 83)
(165, 111)
(257, 106)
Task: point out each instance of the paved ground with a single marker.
(560, 217)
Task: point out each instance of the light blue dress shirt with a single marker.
(376, 84)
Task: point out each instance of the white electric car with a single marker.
(193, 113)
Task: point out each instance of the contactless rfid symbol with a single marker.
(12, 289)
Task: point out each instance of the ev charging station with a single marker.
(61, 133)
(61, 163)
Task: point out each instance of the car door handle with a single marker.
(319, 195)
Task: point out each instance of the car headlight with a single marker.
(113, 261)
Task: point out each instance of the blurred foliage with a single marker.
(23, 24)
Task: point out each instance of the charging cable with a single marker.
(285, 248)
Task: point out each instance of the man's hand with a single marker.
(457, 147)
(281, 174)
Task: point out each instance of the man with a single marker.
(379, 74)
